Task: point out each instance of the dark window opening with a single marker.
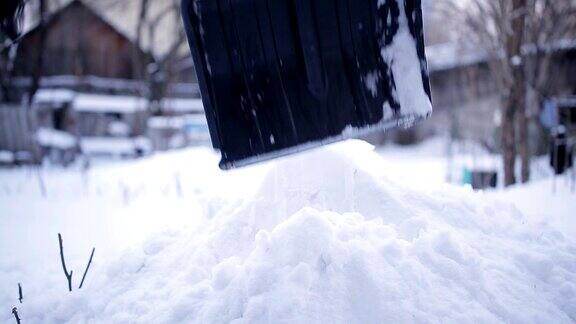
(114, 116)
(59, 116)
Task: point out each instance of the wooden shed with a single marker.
(79, 42)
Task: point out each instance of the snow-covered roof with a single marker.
(49, 137)
(196, 119)
(54, 96)
(114, 146)
(123, 17)
(447, 56)
(183, 105)
(176, 122)
(166, 122)
(92, 102)
(6, 157)
(450, 55)
(569, 102)
(109, 103)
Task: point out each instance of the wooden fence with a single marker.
(17, 129)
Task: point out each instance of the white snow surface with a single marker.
(324, 236)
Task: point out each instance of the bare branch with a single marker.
(16, 316)
(20, 296)
(68, 274)
(87, 267)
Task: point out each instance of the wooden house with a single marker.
(90, 88)
(181, 123)
(94, 120)
(81, 51)
(466, 98)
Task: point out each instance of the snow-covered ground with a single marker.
(341, 234)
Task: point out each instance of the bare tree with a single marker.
(7, 58)
(515, 97)
(37, 12)
(167, 61)
(158, 21)
(38, 66)
(158, 31)
(518, 36)
(138, 61)
(10, 22)
(548, 24)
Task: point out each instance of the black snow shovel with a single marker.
(281, 76)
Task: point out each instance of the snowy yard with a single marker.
(336, 235)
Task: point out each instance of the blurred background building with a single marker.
(88, 78)
(115, 78)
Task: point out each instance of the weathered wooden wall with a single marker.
(80, 43)
(98, 124)
(17, 129)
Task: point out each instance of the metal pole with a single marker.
(554, 158)
(573, 186)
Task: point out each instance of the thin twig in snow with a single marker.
(15, 312)
(68, 274)
(20, 296)
(87, 267)
(41, 182)
(178, 184)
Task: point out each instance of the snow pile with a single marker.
(554, 206)
(328, 238)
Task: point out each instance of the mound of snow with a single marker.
(328, 238)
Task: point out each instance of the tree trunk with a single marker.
(515, 99)
(39, 64)
(137, 59)
(524, 139)
(509, 140)
(6, 71)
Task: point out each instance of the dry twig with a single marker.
(68, 274)
(87, 267)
